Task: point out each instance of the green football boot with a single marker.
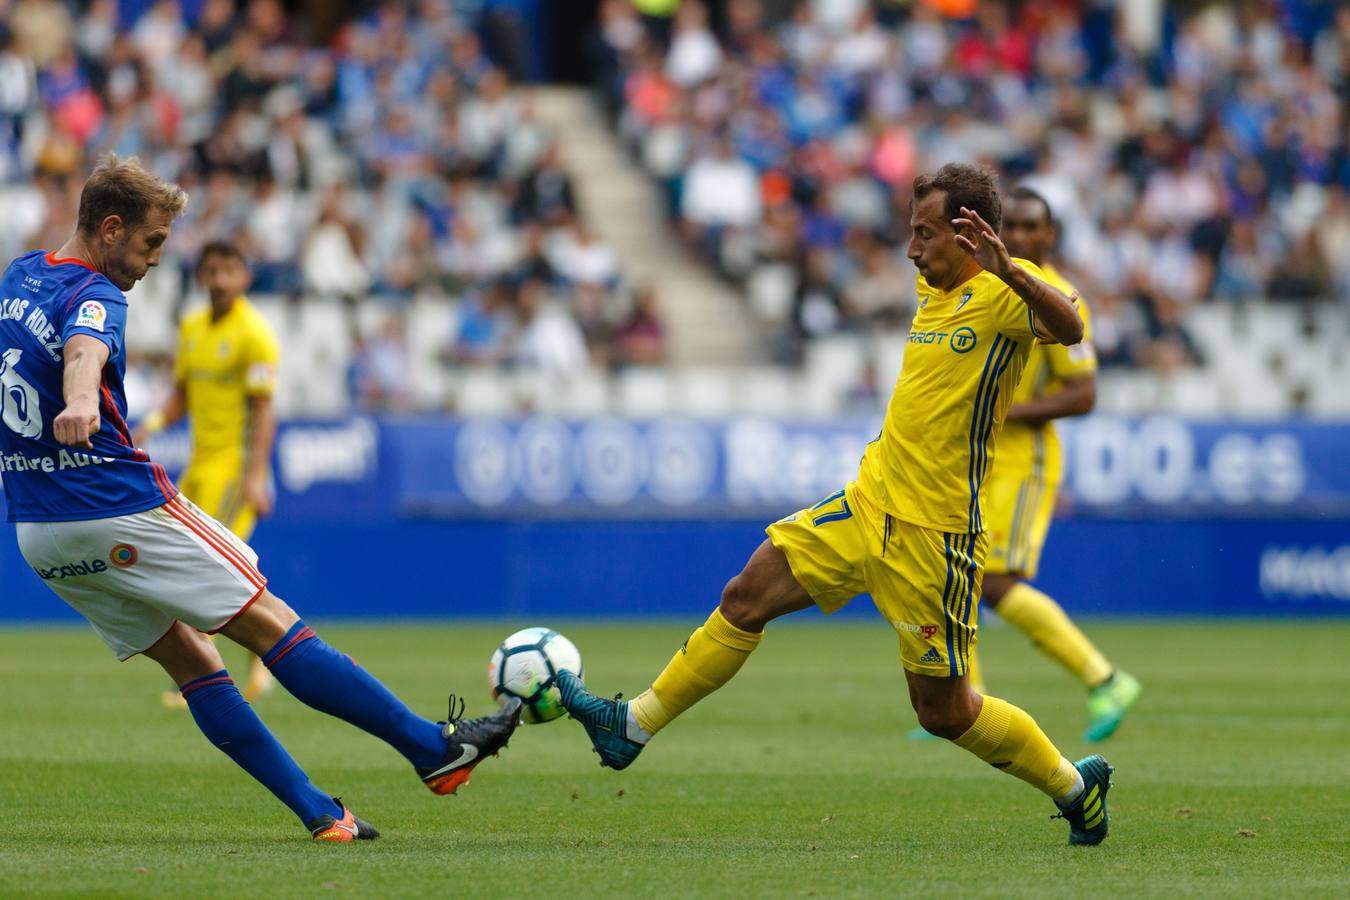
(1087, 816)
(1108, 703)
(605, 721)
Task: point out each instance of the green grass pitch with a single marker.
(1232, 777)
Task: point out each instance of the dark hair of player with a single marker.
(227, 249)
(973, 187)
(1021, 192)
(124, 188)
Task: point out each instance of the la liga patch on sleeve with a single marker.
(91, 315)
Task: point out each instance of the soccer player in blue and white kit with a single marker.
(106, 529)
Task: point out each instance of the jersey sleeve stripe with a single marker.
(180, 512)
(75, 294)
(974, 429)
(986, 420)
(991, 404)
(161, 478)
(982, 420)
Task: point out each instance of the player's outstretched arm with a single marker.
(1054, 311)
(262, 434)
(1076, 397)
(172, 411)
(85, 357)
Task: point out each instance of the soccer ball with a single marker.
(526, 666)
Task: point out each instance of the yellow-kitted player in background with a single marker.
(224, 377)
(1058, 382)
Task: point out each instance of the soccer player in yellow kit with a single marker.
(224, 377)
(1058, 381)
(911, 529)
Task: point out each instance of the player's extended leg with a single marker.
(227, 720)
(443, 753)
(1008, 739)
(764, 590)
(1112, 692)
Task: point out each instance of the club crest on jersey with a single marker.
(965, 298)
(123, 556)
(963, 339)
(91, 315)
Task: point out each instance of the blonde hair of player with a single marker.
(125, 188)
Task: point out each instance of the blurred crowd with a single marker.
(1192, 153)
(391, 161)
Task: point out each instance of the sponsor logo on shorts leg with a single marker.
(932, 656)
(926, 630)
(72, 570)
(123, 556)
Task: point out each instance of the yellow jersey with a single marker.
(220, 365)
(1034, 449)
(963, 358)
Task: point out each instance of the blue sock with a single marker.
(228, 721)
(332, 682)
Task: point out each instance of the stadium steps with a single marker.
(707, 320)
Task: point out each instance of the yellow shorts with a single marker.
(219, 492)
(925, 582)
(1018, 511)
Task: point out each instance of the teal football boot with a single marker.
(1087, 816)
(605, 721)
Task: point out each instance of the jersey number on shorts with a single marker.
(19, 400)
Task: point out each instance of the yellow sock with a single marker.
(1040, 618)
(1009, 739)
(976, 672)
(713, 653)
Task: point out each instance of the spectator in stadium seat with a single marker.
(1245, 265)
(720, 191)
(1301, 274)
(641, 339)
(485, 321)
(379, 370)
(331, 261)
(546, 192)
(694, 52)
(274, 228)
(545, 337)
(578, 256)
(487, 117)
(818, 307)
(881, 291)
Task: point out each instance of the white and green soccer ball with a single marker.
(526, 666)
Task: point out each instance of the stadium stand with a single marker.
(417, 238)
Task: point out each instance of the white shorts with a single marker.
(133, 576)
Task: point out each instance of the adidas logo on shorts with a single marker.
(932, 656)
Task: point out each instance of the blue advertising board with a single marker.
(608, 516)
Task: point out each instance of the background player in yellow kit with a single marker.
(224, 377)
(1058, 382)
(910, 529)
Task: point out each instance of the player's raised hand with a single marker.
(974, 236)
(258, 494)
(76, 425)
